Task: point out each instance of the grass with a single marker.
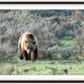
(41, 67)
(82, 22)
(67, 42)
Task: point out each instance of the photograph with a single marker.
(41, 41)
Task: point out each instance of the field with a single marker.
(59, 66)
(46, 67)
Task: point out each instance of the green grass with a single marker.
(40, 67)
(67, 42)
(82, 22)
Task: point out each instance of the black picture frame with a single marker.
(42, 81)
(41, 2)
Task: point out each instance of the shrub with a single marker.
(70, 34)
(64, 12)
(7, 50)
(48, 53)
(2, 29)
(65, 53)
(78, 22)
(79, 38)
(76, 50)
(53, 49)
(46, 13)
(43, 13)
(56, 19)
(60, 33)
(79, 15)
(69, 26)
(49, 28)
(3, 39)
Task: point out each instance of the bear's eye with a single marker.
(25, 41)
(33, 42)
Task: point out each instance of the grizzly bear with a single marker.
(28, 46)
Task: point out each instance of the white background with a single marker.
(42, 77)
(32, 6)
(42, 6)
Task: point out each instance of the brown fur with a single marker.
(27, 47)
(32, 55)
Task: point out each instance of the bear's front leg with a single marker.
(25, 55)
(32, 56)
(21, 56)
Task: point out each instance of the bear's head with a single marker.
(29, 43)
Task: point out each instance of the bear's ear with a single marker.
(31, 36)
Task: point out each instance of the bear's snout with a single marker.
(29, 52)
(30, 47)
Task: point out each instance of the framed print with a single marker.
(41, 42)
